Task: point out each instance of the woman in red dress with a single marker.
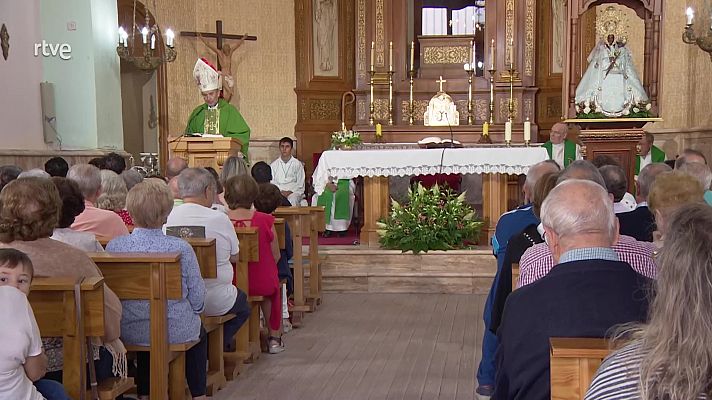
(240, 192)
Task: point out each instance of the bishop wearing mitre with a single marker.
(216, 116)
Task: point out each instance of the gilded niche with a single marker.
(446, 55)
(324, 109)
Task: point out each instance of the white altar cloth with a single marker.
(347, 164)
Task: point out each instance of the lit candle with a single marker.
(527, 130)
(121, 35)
(126, 39)
(492, 55)
(144, 32)
(690, 15)
(390, 56)
(153, 42)
(372, 54)
(412, 55)
(508, 131)
(169, 37)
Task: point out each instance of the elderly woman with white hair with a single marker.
(113, 195)
(702, 173)
(584, 295)
(149, 204)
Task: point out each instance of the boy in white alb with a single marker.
(288, 173)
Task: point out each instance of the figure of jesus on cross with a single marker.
(223, 52)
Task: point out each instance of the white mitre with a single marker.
(206, 76)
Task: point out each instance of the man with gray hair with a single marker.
(105, 223)
(198, 190)
(588, 291)
(617, 184)
(690, 156)
(640, 223)
(510, 223)
(701, 172)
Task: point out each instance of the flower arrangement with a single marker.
(345, 139)
(434, 219)
(591, 110)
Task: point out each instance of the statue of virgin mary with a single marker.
(610, 85)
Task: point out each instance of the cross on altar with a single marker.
(441, 81)
(218, 35)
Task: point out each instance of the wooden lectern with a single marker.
(205, 151)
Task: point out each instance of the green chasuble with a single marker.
(656, 156)
(231, 123)
(342, 201)
(569, 151)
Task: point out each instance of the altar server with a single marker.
(288, 173)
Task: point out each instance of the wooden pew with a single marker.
(317, 224)
(573, 364)
(248, 337)
(156, 278)
(54, 304)
(280, 227)
(205, 252)
(297, 217)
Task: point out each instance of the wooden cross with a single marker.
(441, 81)
(218, 35)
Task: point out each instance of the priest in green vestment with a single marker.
(338, 202)
(648, 153)
(560, 149)
(216, 116)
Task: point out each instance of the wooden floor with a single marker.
(374, 346)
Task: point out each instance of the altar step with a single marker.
(350, 269)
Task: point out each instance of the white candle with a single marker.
(121, 35)
(508, 131)
(467, 67)
(474, 54)
(144, 32)
(527, 130)
(412, 55)
(390, 56)
(169, 37)
(153, 42)
(690, 15)
(372, 54)
(511, 53)
(492, 55)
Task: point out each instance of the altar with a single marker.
(494, 162)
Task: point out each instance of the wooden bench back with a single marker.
(573, 363)
(207, 258)
(54, 304)
(515, 275)
(249, 251)
(280, 227)
(155, 277)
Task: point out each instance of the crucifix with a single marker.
(219, 36)
(223, 52)
(441, 81)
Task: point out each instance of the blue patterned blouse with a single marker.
(183, 315)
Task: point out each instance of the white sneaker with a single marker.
(286, 325)
(275, 345)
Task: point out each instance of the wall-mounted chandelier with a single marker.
(689, 36)
(151, 55)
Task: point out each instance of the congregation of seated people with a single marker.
(52, 221)
(597, 260)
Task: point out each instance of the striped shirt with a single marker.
(618, 376)
(537, 261)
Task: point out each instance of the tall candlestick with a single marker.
(511, 53)
(508, 131)
(372, 54)
(492, 55)
(412, 55)
(527, 131)
(390, 56)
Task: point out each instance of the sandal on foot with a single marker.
(276, 345)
